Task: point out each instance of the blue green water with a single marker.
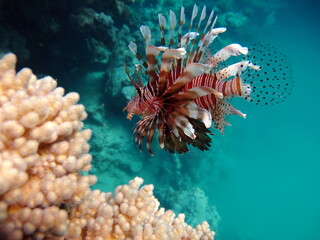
(263, 175)
(272, 189)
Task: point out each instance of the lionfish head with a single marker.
(189, 88)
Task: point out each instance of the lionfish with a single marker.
(191, 87)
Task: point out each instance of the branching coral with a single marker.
(43, 151)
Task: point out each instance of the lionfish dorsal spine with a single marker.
(137, 87)
(152, 52)
(207, 40)
(162, 24)
(137, 71)
(193, 16)
(146, 33)
(202, 17)
(133, 48)
(182, 22)
(173, 23)
(208, 23)
(198, 54)
(191, 35)
(167, 59)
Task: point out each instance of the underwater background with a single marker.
(260, 180)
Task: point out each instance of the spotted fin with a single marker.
(272, 83)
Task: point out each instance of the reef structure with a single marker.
(44, 193)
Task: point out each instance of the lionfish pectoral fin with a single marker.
(207, 119)
(142, 130)
(137, 87)
(191, 110)
(150, 134)
(200, 114)
(178, 146)
(168, 142)
(202, 141)
(160, 134)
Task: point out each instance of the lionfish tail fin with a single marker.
(269, 80)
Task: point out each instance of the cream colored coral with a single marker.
(42, 152)
(132, 213)
(43, 195)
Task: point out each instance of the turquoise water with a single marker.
(272, 188)
(262, 177)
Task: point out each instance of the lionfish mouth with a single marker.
(193, 87)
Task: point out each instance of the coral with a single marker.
(116, 147)
(132, 213)
(180, 189)
(233, 19)
(99, 31)
(43, 152)
(194, 202)
(117, 87)
(87, 17)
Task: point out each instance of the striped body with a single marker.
(227, 88)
